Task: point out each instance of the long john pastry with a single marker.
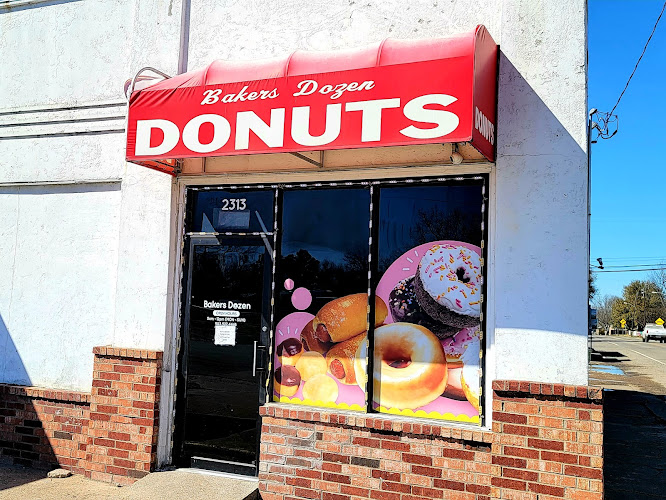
(346, 317)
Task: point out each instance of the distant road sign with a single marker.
(623, 322)
(659, 321)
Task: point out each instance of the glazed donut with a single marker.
(310, 364)
(312, 343)
(340, 359)
(289, 351)
(409, 366)
(346, 317)
(470, 377)
(320, 388)
(287, 381)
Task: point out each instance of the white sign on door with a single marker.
(225, 334)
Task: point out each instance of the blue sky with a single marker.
(629, 170)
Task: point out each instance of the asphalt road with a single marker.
(628, 363)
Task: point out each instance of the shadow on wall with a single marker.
(12, 370)
(540, 269)
(21, 437)
(541, 231)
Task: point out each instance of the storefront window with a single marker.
(409, 254)
(321, 293)
(429, 273)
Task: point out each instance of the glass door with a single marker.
(226, 329)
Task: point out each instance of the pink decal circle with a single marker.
(289, 284)
(301, 298)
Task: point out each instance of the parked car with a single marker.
(654, 331)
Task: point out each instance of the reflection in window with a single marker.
(233, 210)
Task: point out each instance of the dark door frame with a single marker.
(261, 354)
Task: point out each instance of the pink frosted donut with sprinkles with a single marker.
(455, 346)
(448, 285)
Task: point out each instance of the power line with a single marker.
(629, 270)
(661, 258)
(633, 265)
(639, 59)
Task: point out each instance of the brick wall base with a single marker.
(546, 443)
(108, 435)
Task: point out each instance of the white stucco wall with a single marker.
(84, 262)
(540, 264)
(64, 65)
(537, 304)
(59, 247)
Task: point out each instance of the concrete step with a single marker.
(192, 484)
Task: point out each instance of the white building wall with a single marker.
(540, 263)
(62, 116)
(84, 236)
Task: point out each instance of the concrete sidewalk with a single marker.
(17, 483)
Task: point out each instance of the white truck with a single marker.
(654, 331)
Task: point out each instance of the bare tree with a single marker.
(604, 307)
(658, 278)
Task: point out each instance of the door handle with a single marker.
(255, 369)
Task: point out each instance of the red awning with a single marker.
(397, 92)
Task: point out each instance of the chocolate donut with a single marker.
(289, 351)
(405, 308)
(287, 381)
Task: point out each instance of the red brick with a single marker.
(571, 470)
(520, 430)
(399, 487)
(354, 490)
(382, 495)
(333, 457)
(116, 470)
(123, 369)
(336, 478)
(326, 495)
(478, 489)
(417, 459)
(128, 464)
(511, 484)
(564, 458)
(426, 471)
(107, 409)
(509, 461)
(521, 452)
(510, 417)
(459, 454)
(546, 444)
(145, 388)
(520, 474)
(546, 490)
(429, 493)
(388, 476)
(449, 485)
